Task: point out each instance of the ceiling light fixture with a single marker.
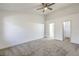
(45, 8)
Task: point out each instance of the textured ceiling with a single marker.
(29, 7)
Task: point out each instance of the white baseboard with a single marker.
(11, 45)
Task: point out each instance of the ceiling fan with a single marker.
(46, 6)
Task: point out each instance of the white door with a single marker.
(51, 30)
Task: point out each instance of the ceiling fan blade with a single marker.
(50, 8)
(42, 3)
(51, 4)
(40, 8)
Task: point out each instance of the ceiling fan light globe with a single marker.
(45, 8)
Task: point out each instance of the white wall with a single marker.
(19, 28)
(64, 14)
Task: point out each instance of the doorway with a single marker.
(51, 30)
(67, 30)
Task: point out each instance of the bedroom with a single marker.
(26, 30)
